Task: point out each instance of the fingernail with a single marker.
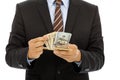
(55, 51)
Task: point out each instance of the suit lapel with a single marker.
(71, 18)
(43, 9)
(73, 10)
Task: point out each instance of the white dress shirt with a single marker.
(64, 10)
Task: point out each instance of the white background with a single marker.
(110, 18)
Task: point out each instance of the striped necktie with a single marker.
(58, 21)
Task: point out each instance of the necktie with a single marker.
(58, 21)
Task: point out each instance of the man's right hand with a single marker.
(36, 47)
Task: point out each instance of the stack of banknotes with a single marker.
(58, 40)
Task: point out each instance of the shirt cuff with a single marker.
(30, 60)
(78, 63)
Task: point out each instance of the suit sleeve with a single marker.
(93, 56)
(17, 48)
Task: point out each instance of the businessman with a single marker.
(36, 18)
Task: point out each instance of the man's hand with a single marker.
(36, 47)
(71, 55)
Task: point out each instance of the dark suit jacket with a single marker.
(32, 20)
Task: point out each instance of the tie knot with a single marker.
(58, 2)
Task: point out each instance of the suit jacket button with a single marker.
(58, 72)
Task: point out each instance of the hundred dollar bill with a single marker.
(62, 40)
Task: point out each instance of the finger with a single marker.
(72, 46)
(65, 57)
(61, 53)
(45, 37)
(37, 54)
(57, 54)
(39, 49)
(41, 42)
(38, 44)
(33, 50)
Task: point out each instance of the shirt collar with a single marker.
(65, 2)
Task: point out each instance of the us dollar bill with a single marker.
(62, 40)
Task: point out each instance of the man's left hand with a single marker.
(71, 55)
